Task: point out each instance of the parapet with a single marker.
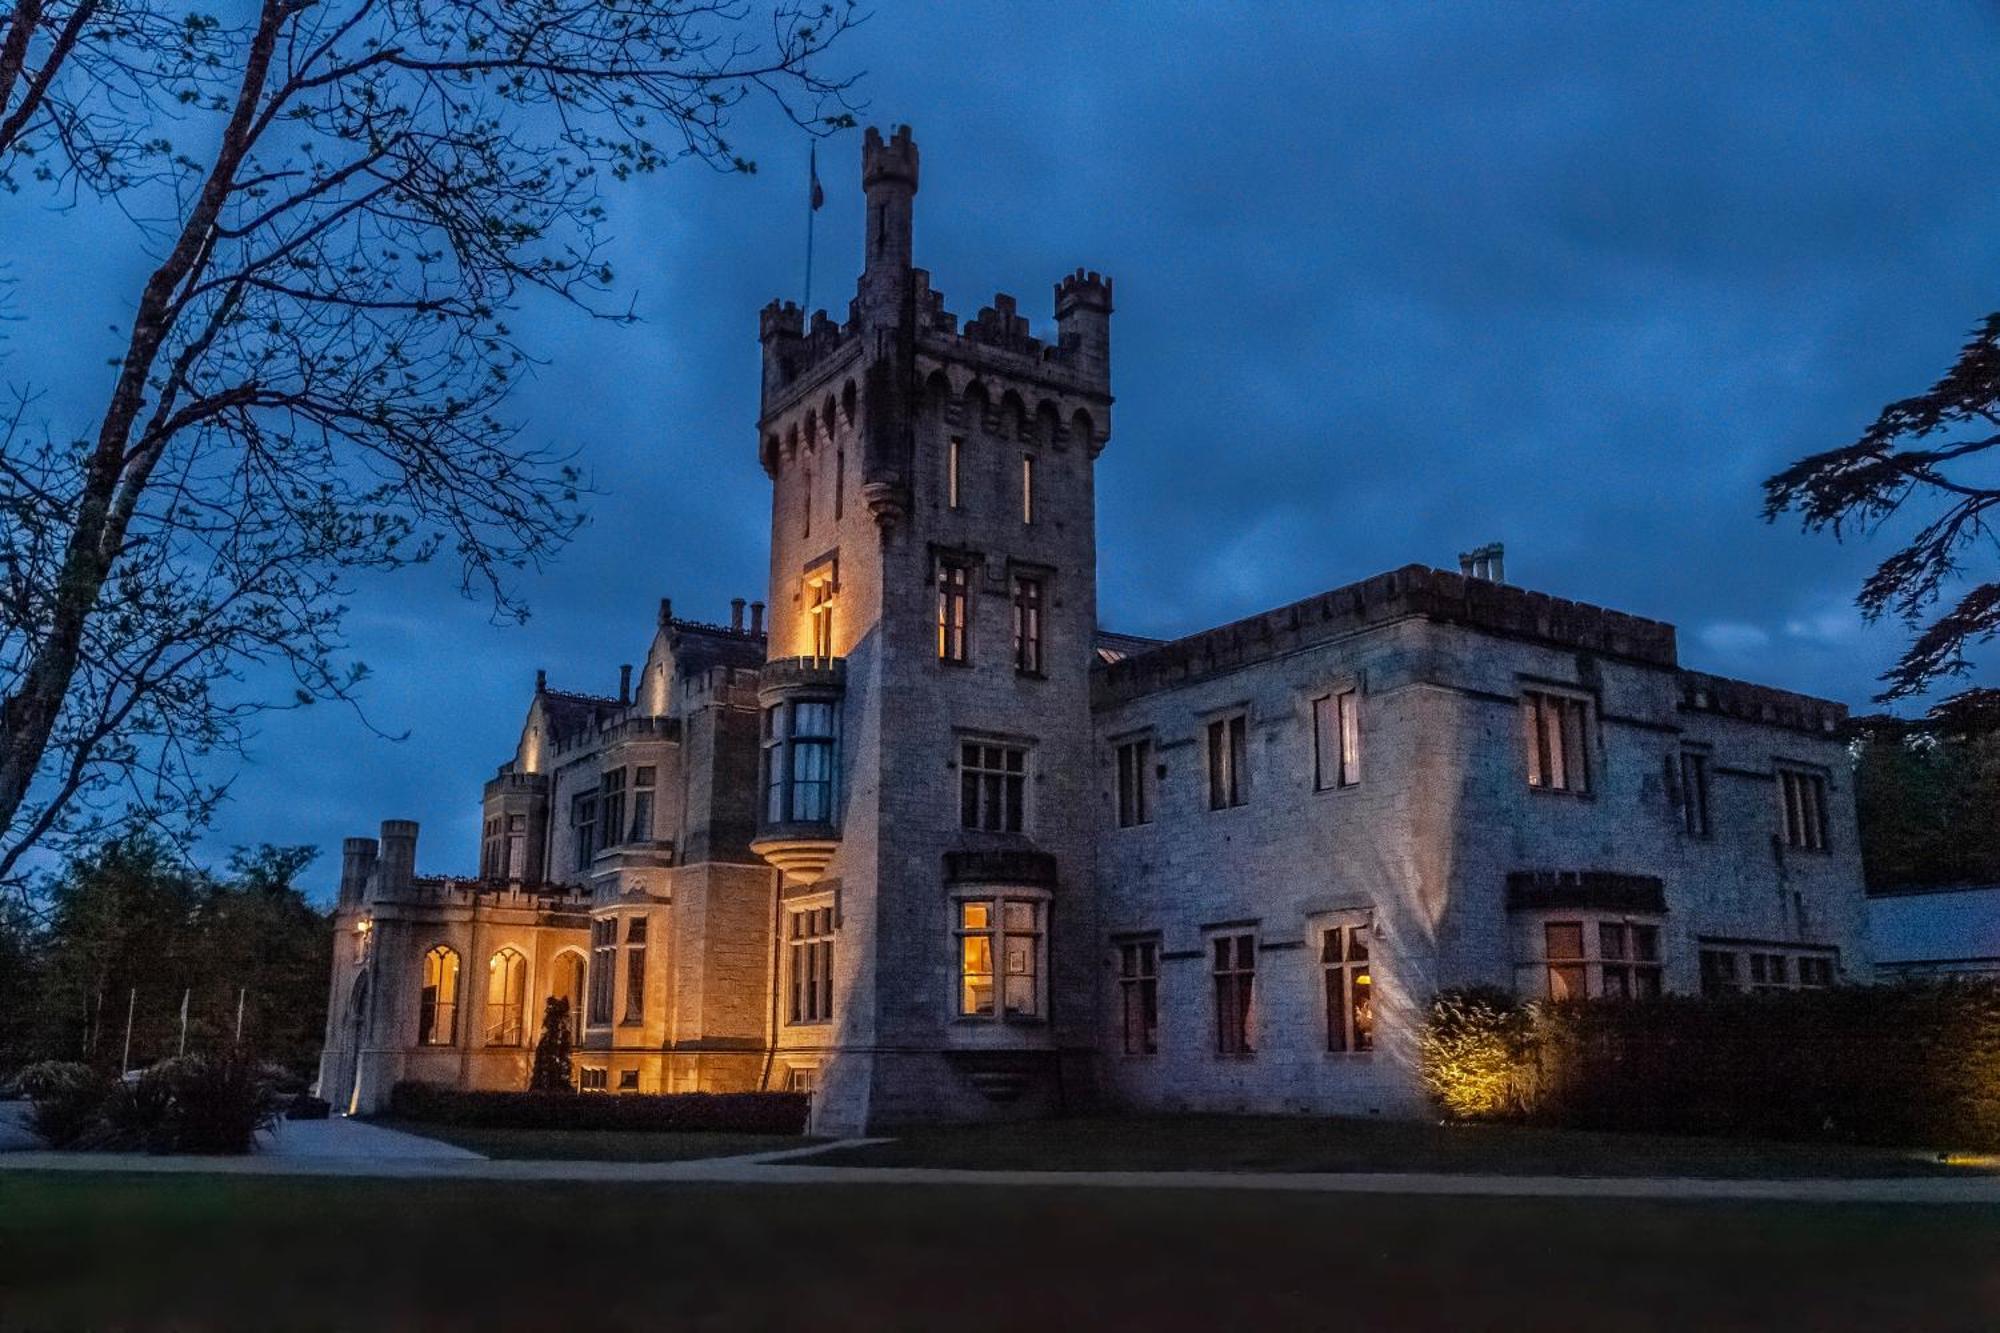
(894, 160)
(1083, 290)
(780, 319)
(1703, 693)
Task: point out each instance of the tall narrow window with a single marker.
(517, 847)
(806, 502)
(1135, 762)
(819, 611)
(954, 580)
(1350, 991)
(568, 986)
(506, 998)
(1000, 958)
(992, 783)
(642, 803)
(1562, 945)
(811, 949)
(1235, 969)
(1556, 729)
(1804, 800)
(1139, 994)
(490, 858)
(437, 1005)
(952, 494)
(611, 806)
(635, 970)
(583, 825)
(1027, 625)
(801, 757)
(1027, 488)
(1336, 740)
(603, 967)
(839, 482)
(1694, 793)
(1228, 762)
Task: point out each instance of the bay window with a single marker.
(1000, 958)
(800, 755)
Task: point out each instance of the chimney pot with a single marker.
(541, 680)
(756, 617)
(625, 683)
(736, 613)
(666, 610)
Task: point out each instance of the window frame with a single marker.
(785, 750)
(1232, 959)
(601, 975)
(1804, 823)
(985, 788)
(1029, 602)
(1138, 962)
(810, 931)
(999, 933)
(1575, 716)
(1694, 770)
(1640, 971)
(1347, 985)
(636, 932)
(1335, 722)
(439, 997)
(583, 827)
(1226, 745)
(953, 584)
(1132, 795)
(508, 967)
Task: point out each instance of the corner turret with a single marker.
(1083, 321)
(889, 179)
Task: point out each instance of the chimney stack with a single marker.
(541, 680)
(398, 861)
(736, 613)
(357, 861)
(1487, 562)
(625, 683)
(666, 610)
(756, 617)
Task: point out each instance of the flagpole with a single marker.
(131, 1003)
(240, 991)
(185, 996)
(812, 207)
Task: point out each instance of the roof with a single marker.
(1935, 924)
(569, 712)
(1112, 646)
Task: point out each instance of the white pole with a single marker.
(125, 1060)
(239, 1014)
(185, 995)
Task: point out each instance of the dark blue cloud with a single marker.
(1392, 281)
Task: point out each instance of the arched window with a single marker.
(437, 1015)
(506, 998)
(567, 984)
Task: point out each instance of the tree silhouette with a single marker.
(551, 1072)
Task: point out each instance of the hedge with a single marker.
(1915, 1065)
(740, 1112)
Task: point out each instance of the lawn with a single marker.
(1300, 1143)
(136, 1251)
(598, 1145)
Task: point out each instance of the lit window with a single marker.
(954, 585)
(1027, 488)
(1228, 762)
(1563, 948)
(1557, 733)
(1350, 990)
(568, 986)
(593, 1080)
(506, 998)
(1804, 800)
(819, 613)
(437, 1007)
(635, 970)
(1006, 932)
(1135, 761)
(800, 752)
(1027, 625)
(1235, 971)
(1139, 994)
(992, 786)
(1336, 740)
(1694, 793)
(811, 947)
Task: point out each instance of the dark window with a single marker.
(1336, 740)
(1228, 762)
(1815, 973)
(1350, 989)
(811, 947)
(1694, 793)
(642, 803)
(1135, 762)
(800, 756)
(489, 852)
(1718, 972)
(1630, 959)
(1235, 963)
(1027, 625)
(635, 969)
(1557, 729)
(592, 1080)
(603, 964)
(992, 786)
(1139, 992)
(583, 820)
(954, 584)
(839, 481)
(628, 1080)
(611, 806)
(1563, 948)
(1804, 798)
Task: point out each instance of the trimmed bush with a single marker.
(67, 1097)
(1912, 1065)
(737, 1112)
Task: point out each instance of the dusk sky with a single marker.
(1391, 282)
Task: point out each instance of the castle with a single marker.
(930, 843)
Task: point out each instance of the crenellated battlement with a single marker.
(1083, 289)
(892, 160)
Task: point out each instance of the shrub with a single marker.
(1471, 1054)
(220, 1102)
(551, 1072)
(740, 1112)
(135, 1114)
(67, 1097)
(1912, 1064)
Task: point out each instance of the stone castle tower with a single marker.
(927, 736)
